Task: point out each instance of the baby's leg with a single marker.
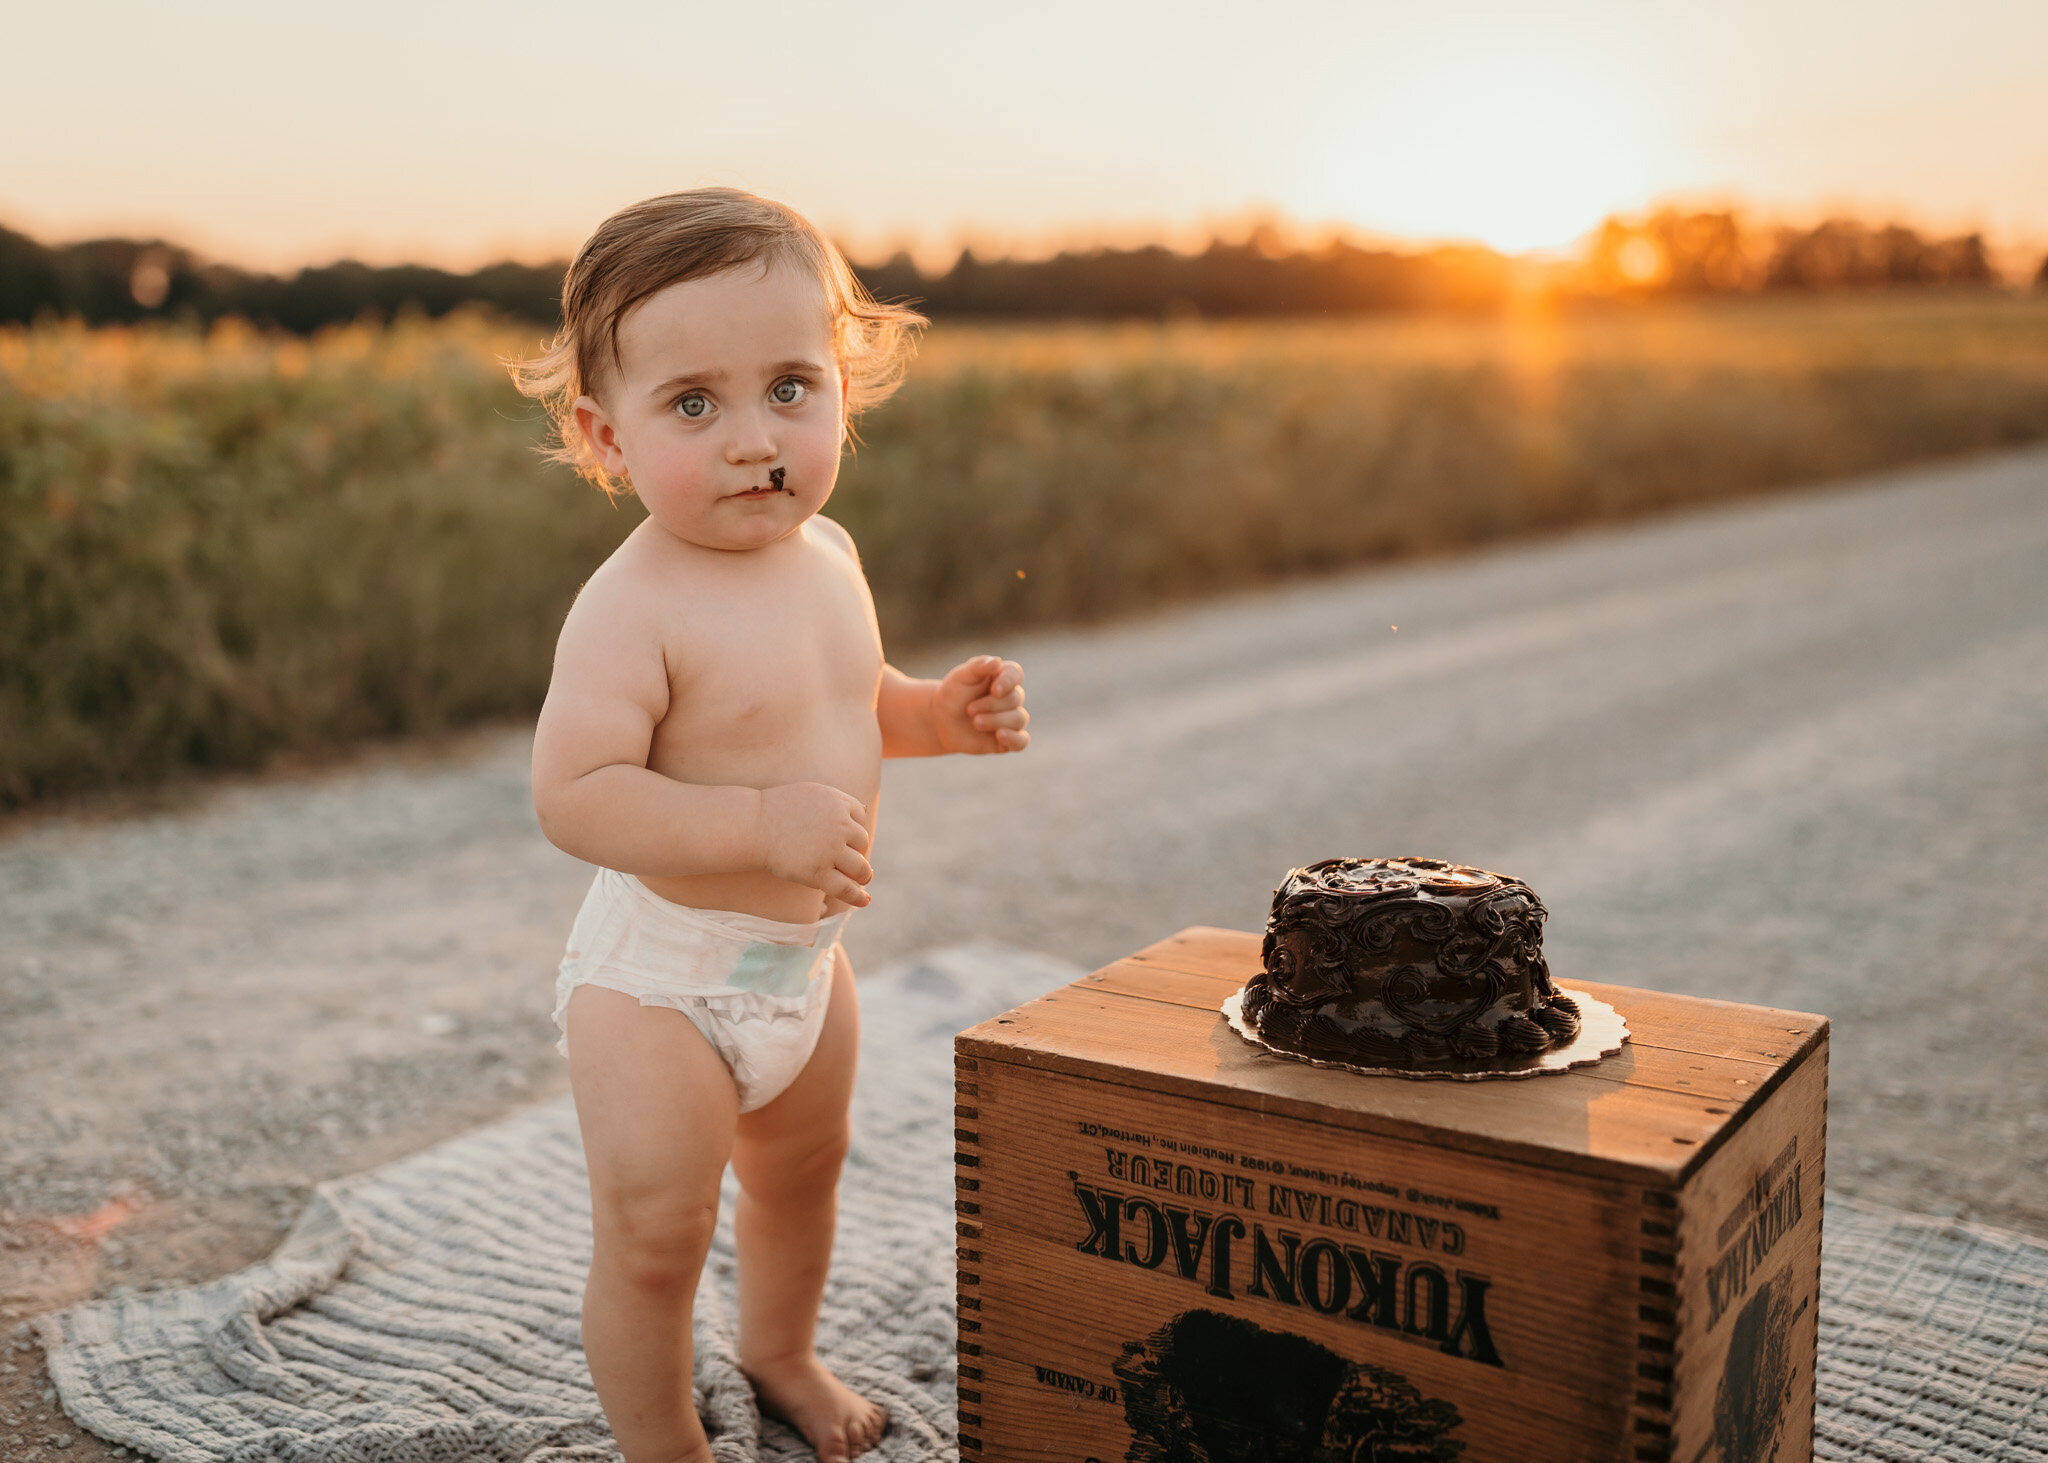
(656, 1106)
(787, 1157)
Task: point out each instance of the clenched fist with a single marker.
(979, 707)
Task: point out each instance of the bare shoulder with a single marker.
(831, 533)
(609, 688)
(616, 589)
(613, 634)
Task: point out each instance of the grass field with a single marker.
(217, 548)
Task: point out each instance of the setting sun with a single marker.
(1519, 151)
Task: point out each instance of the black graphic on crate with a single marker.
(1207, 1387)
(1756, 1379)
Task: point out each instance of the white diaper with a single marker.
(757, 988)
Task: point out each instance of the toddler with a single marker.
(712, 740)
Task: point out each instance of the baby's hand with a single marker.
(817, 836)
(979, 707)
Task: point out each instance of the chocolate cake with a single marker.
(1406, 962)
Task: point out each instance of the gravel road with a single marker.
(1792, 752)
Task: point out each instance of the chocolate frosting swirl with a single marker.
(1406, 961)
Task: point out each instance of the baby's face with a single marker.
(728, 409)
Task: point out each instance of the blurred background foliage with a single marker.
(219, 543)
(217, 547)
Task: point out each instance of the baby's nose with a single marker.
(751, 442)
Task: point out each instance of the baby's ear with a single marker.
(597, 430)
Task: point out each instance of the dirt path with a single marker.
(1794, 752)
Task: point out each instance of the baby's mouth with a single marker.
(775, 485)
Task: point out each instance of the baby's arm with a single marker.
(598, 799)
(977, 708)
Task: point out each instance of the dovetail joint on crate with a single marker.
(1820, 1186)
(1650, 1413)
(967, 1157)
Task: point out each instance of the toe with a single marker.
(834, 1449)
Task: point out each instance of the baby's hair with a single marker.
(642, 250)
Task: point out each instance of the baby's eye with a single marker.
(693, 405)
(788, 391)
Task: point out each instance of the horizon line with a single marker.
(939, 253)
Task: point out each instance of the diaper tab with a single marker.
(774, 970)
(786, 970)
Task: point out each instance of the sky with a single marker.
(276, 135)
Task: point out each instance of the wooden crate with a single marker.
(1174, 1248)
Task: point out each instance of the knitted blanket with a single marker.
(428, 1311)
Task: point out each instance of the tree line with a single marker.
(118, 281)
(1676, 252)
(107, 281)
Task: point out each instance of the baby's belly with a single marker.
(757, 894)
(840, 751)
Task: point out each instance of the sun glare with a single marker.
(1517, 151)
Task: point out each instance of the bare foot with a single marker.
(836, 1422)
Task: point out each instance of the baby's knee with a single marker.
(656, 1241)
